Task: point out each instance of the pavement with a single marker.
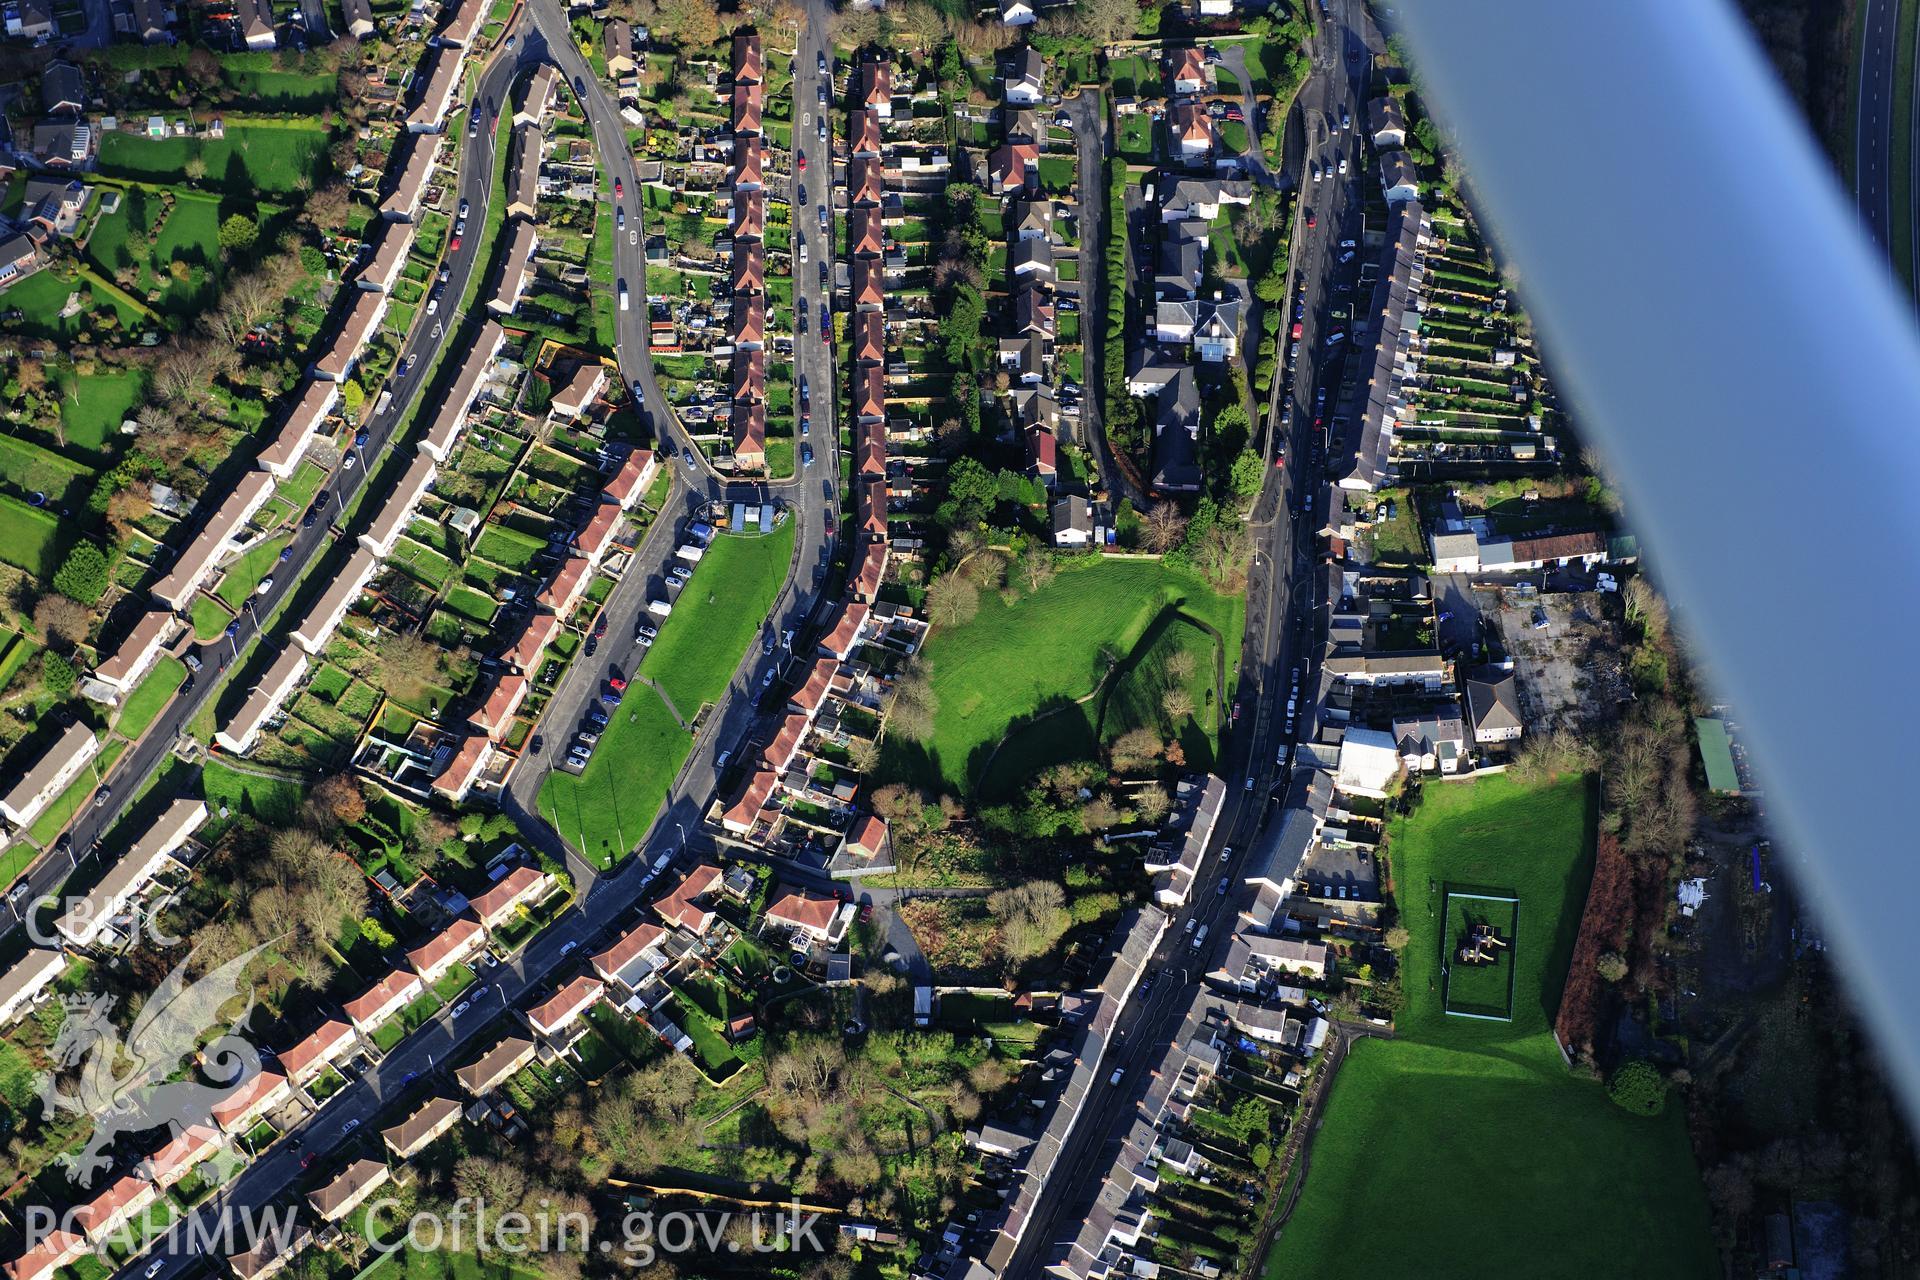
(1282, 616)
(139, 763)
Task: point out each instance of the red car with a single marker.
(619, 189)
(1311, 220)
(803, 162)
(1279, 461)
(866, 913)
(453, 246)
(616, 684)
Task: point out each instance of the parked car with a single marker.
(619, 189)
(806, 455)
(620, 218)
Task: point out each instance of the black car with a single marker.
(592, 644)
(538, 744)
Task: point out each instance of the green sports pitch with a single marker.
(1477, 961)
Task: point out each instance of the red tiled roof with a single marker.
(568, 585)
(1043, 453)
(678, 907)
(742, 812)
(384, 996)
(749, 214)
(331, 1039)
(846, 629)
(632, 945)
(804, 909)
(866, 133)
(522, 884)
(864, 232)
(502, 701)
(867, 836)
(460, 936)
(566, 1004)
(540, 629)
(793, 730)
(869, 337)
(597, 538)
(637, 469)
(747, 61)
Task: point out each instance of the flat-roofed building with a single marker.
(522, 886)
(282, 455)
(503, 700)
(540, 630)
(435, 958)
(387, 244)
(496, 1066)
(198, 558)
(310, 1058)
(135, 655)
(523, 178)
(279, 681)
(364, 314)
(59, 765)
(418, 156)
(451, 416)
(634, 477)
(383, 999)
(126, 879)
(400, 505)
(26, 978)
(516, 268)
(416, 1133)
(470, 759)
(568, 586)
(348, 1190)
(324, 618)
(443, 82)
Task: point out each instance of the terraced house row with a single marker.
(866, 195)
(747, 323)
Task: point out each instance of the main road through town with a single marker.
(1282, 620)
(812, 498)
(413, 367)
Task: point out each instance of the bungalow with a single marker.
(64, 143)
(468, 382)
(49, 776)
(1025, 81)
(247, 1102)
(1188, 71)
(516, 269)
(540, 630)
(55, 1250)
(416, 1133)
(419, 157)
(331, 1041)
(619, 37)
(348, 1190)
(443, 79)
(435, 958)
(633, 478)
(26, 978)
(682, 907)
(135, 655)
(383, 999)
(848, 628)
(177, 1157)
(198, 558)
(523, 179)
(521, 887)
(1072, 522)
(1013, 167)
(874, 89)
(282, 457)
(397, 512)
(128, 878)
(1192, 130)
(255, 18)
(556, 1015)
(1493, 706)
(359, 17)
(569, 585)
(496, 1066)
(363, 317)
(470, 760)
(497, 712)
(816, 915)
(330, 610)
(637, 956)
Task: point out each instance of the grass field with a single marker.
(274, 800)
(29, 537)
(249, 571)
(259, 157)
(605, 811)
(1495, 1161)
(150, 697)
(1478, 989)
(91, 411)
(1039, 654)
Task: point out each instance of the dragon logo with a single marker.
(127, 1086)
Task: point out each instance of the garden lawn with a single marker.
(150, 697)
(272, 800)
(717, 616)
(1041, 653)
(1495, 1159)
(269, 157)
(92, 410)
(29, 537)
(249, 571)
(604, 811)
